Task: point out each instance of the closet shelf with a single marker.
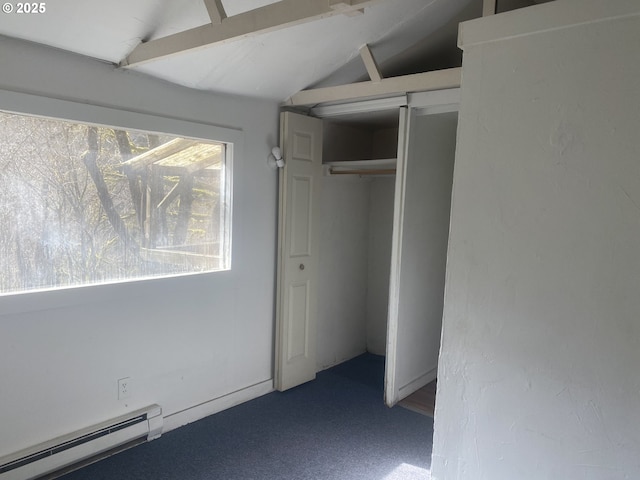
(386, 166)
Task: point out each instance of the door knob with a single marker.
(302, 266)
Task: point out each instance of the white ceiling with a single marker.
(273, 65)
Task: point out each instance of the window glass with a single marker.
(81, 204)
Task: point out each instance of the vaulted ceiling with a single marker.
(405, 36)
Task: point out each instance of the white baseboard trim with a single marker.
(346, 358)
(418, 383)
(197, 412)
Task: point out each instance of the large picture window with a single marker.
(81, 204)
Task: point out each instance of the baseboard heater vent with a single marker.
(70, 452)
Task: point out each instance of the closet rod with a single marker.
(371, 171)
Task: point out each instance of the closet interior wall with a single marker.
(356, 222)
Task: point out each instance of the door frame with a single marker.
(426, 102)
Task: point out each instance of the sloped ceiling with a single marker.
(404, 36)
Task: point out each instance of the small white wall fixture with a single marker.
(275, 160)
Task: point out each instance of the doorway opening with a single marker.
(381, 230)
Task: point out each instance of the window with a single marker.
(81, 204)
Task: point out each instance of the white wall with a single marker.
(382, 196)
(183, 341)
(345, 142)
(539, 373)
(380, 229)
(342, 273)
(384, 143)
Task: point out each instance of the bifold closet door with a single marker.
(297, 289)
(426, 151)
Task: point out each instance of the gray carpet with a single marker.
(336, 427)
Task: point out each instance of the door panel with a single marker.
(301, 217)
(421, 229)
(296, 306)
(302, 146)
(298, 340)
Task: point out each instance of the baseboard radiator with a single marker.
(67, 453)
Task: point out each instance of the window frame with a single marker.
(110, 117)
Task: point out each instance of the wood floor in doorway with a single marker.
(422, 401)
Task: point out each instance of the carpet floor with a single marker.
(336, 427)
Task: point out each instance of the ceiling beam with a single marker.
(277, 16)
(340, 4)
(418, 82)
(216, 11)
(370, 64)
(489, 7)
(345, 7)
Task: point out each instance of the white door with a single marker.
(296, 306)
(426, 150)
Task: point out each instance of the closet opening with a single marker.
(365, 206)
(361, 209)
(355, 228)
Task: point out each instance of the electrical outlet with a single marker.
(124, 388)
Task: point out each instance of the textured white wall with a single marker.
(183, 341)
(539, 372)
